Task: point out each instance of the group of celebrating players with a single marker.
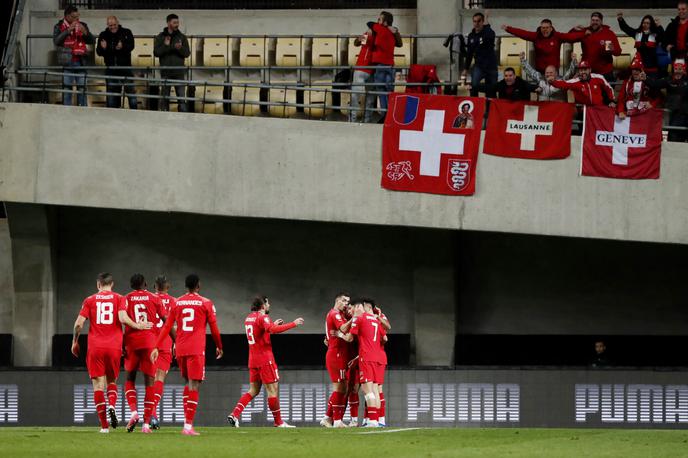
(152, 322)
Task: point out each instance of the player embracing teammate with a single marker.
(338, 340)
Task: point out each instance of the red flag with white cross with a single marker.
(430, 143)
(529, 130)
(621, 148)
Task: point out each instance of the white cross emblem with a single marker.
(529, 128)
(620, 140)
(431, 142)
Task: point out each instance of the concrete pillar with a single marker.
(6, 288)
(436, 17)
(33, 323)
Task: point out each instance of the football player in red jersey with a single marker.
(353, 375)
(192, 313)
(261, 362)
(337, 335)
(384, 322)
(107, 311)
(162, 287)
(142, 307)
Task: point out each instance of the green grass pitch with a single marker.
(358, 443)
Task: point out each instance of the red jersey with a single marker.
(383, 49)
(547, 49)
(192, 312)
(365, 56)
(594, 49)
(258, 329)
(142, 307)
(588, 92)
(367, 328)
(336, 347)
(167, 303)
(105, 330)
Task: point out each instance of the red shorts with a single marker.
(164, 361)
(192, 366)
(103, 361)
(266, 374)
(337, 369)
(371, 372)
(139, 359)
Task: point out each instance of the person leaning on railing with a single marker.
(115, 45)
(171, 48)
(70, 37)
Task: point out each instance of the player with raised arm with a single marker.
(107, 311)
(142, 307)
(192, 313)
(261, 362)
(337, 335)
(162, 287)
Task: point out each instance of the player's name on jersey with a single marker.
(251, 319)
(139, 298)
(189, 302)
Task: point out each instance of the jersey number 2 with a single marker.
(187, 319)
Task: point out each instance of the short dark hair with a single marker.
(160, 281)
(70, 9)
(598, 14)
(367, 300)
(510, 69)
(105, 278)
(192, 281)
(258, 302)
(340, 294)
(479, 14)
(356, 301)
(171, 16)
(387, 17)
(137, 281)
(547, 21)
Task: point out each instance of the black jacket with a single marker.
(116, 57)
(169, 55)
(677, 93)
(647, 50)
(521, 90)
(481, 47)
(671, 34)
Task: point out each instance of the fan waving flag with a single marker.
(529, 130)
(430, 143)
(621, 148)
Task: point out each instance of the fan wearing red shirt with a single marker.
(387, 37)
(371, 358)
(261, 362)
(192, 313)
(337, 358)
(162, 287)
(107, 311)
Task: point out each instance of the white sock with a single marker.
(146, 425)
(134, 414)
(188, 426)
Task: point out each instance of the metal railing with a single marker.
(238, 4)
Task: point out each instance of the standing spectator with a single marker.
(588, 89)
(172, 47)
(115, 44)
(647, 38)
(599, 46)
(71, 36)
(513, 87)
(676, 99)
(547, 42)
(386, 38)
(480, 45)
(601, 359)
(362, 76)
(676, 36)
(635, 96)
(547, 92)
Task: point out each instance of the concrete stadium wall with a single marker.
(6, 284)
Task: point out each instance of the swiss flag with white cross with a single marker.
(621, 148)
(430, 143)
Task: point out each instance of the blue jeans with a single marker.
(477, 74)
(384, 76)
(115, 85)
(78, 80)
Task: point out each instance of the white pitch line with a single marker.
(399, 430)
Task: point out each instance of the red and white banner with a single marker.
(529, 130)
(430, 143)
(615, 148)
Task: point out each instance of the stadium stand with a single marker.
(217, 52)
(252, 51)
(325, 51)
(289, 51)
(142, 55)
(242, 94)
(284, 96)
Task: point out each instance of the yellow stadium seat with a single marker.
(252, 52)
(402, 56)
(217, 52)
(399, 77)
(142, 55)
(96, 100)
(623, 61)
(325, 52)
(98, 60)
(282, 95)
(318, 98)
(210, 98)
(288, 52)
(510, 49)
(578, 49)
(243, 94)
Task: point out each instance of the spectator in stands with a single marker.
(635, 96)
(599, 46)
(172, 47)
(362, 76)
(513, 87)
(547, 42)
(386, 38)
(71, 36)
(545, 91)
(115, 44)
(676, 99)
(480, 45)
(676, 36)
(601, 358)
(647, 39)
(588, 89)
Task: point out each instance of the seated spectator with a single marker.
(547, 92)
(676, 35)
(599, 46)
(171, 48)
(589, 88)
(601, 358)
(635, 96)
(386, 38)
(547, 43)
(71, 36)
(115, 44)
(513, 87)
(676, 99)
(480, 45)
(647, 38)
(362, 76)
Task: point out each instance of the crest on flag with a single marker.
(405, 109)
